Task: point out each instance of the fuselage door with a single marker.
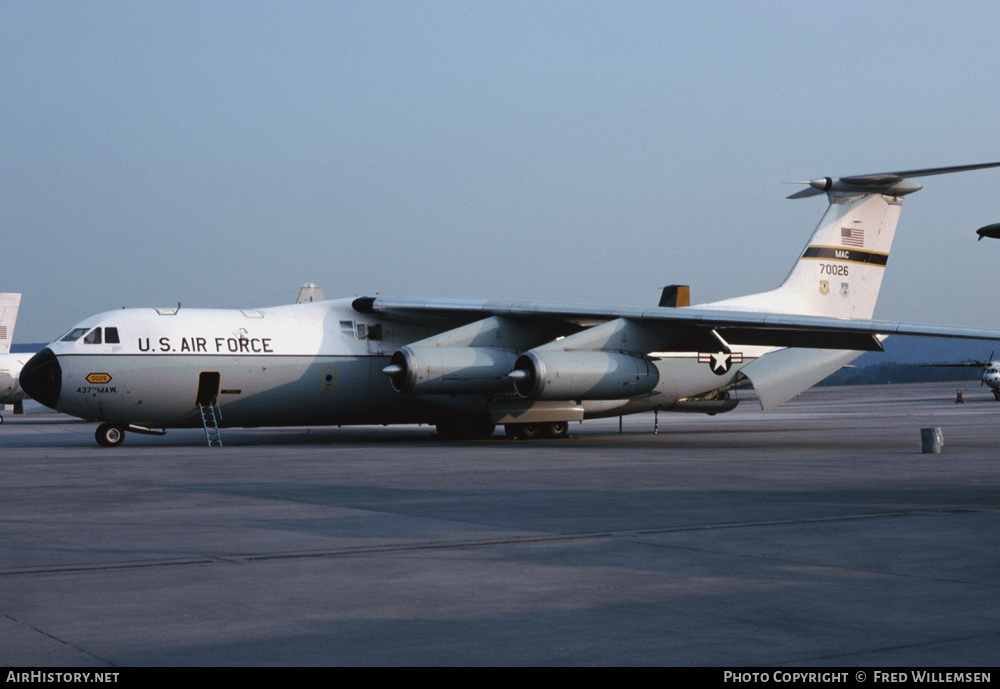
(208, 388)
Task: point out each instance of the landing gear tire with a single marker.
(996, 395)
(559, 429)
(533, 431)
(110, 435)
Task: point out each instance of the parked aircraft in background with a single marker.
(10, 364)
(467, 365)
(990, 369)
(991, 378)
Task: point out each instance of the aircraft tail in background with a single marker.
(9, 304)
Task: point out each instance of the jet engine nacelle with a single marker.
(579, 375)
(451, 370)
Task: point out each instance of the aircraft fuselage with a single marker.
(149, 367)
(302, 364)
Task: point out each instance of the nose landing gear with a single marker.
(110, 435)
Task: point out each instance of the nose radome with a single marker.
(41, 378)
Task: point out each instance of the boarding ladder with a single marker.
(210, 421)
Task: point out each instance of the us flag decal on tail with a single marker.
(852, 236)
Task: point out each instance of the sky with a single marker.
(221, 154)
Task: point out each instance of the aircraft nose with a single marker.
(41, 378)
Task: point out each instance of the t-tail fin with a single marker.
(840, 271)
(837, 275)
(9, 303)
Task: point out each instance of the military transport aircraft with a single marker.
(10, 364)
(467, 365)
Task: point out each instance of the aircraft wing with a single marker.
(675, 329)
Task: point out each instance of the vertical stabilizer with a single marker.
(839, 272)
(9, 304)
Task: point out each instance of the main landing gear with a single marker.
(532, 431)
(480, 429)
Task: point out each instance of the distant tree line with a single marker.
(878, 374)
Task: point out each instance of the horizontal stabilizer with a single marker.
(891, 183)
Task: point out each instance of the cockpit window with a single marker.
(95, 336)
(74, 335)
